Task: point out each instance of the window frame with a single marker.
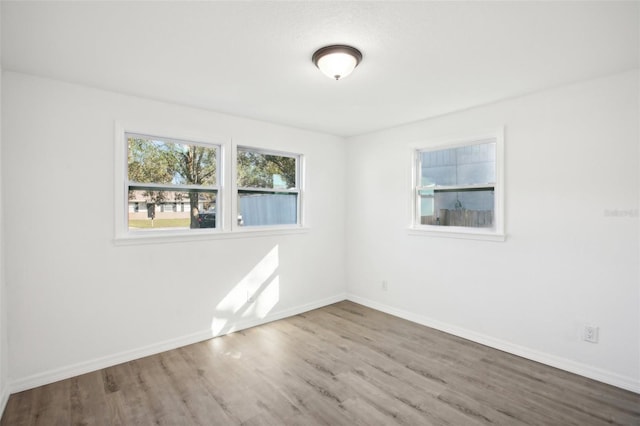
(226, 200)
(217, 187)
(496, 232)
(299, 189)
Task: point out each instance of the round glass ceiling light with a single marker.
(337, 61)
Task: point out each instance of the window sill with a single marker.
(163, 236)
(456, 232)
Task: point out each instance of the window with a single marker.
(162, 172)
(268, 188)
(458, 188)
(173, 188)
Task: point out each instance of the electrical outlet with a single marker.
(590, 334)
(385, 285)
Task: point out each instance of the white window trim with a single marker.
(227, 228)
(496, 233)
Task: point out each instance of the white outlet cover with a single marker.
(590, 334)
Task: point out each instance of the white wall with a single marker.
(77, 300)
(4, 388)
(571, 160)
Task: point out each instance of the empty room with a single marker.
(320, 213)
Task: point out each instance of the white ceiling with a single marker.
(253, 59)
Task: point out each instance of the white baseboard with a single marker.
(591, 372)
(118, 358)
(4, 398)
(40, 379)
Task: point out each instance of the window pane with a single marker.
(468, 165)
(153, 208)
(260, 170)
(457, 208)
(439, 167)
(153, 160)
(257, 208)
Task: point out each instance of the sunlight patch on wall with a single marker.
(217, 325)
(254, 296)
(269, 296)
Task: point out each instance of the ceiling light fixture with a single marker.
(337, 61)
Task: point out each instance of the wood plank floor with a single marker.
(343, 364)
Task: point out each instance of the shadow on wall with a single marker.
(253, 297)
